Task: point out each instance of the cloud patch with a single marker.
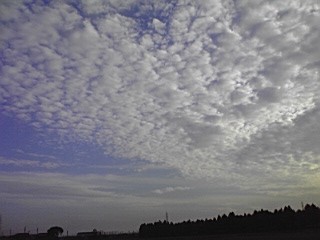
(170, 189)
(30, 163)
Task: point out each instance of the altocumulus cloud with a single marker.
(222, 89)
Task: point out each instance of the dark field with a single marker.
(305, 235)
(262, 236)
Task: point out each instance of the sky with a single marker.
(113, 113)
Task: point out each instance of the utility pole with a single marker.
(167, 217)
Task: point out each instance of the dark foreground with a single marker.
(284, 223)
(300, 235)
(314, 235)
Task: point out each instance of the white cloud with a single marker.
(31, 163)
(170, 189)
(204, 91)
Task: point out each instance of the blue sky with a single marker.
(114, 112)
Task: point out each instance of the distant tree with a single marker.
(55, 231)
(231, 215)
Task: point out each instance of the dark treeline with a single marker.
(285, 219)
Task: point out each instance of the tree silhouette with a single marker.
(284, 219)
(55, 231)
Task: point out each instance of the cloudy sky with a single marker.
(114, 112)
